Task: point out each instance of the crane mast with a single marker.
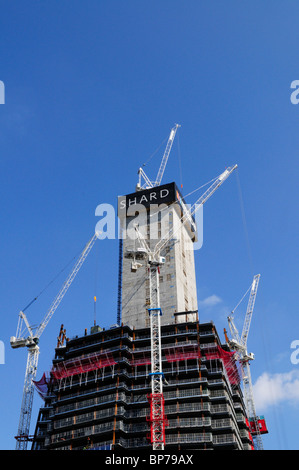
(27, 398)
(249, 310)
(31, 342)
(240, 345)
(250, 405)
(157, 417)
(166, 155)
(147, 182)
(156, 398)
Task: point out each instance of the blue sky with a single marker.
(91, 90)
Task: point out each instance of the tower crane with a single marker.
(239, 344)
(30, 339)
(147, 182)
(155, 260)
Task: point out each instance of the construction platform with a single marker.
(96, 395)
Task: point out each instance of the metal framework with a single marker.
(156, 399)
(147, 182)
(229, 361)
(27, 399)
(93, 364)
(31, 342)
(154, 261)
(195, 207)
(240, 345)
(183, 353)
(157, 420)
(119, 290)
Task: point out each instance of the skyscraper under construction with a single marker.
(98, 392)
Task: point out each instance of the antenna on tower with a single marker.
(95, 310)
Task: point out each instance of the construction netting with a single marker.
(42, 385)
(82, 365)
(182, 353)
(230, 363)
(140, 359)
(101, 360)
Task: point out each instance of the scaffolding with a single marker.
(182, 353)
(66, 370)
(230, 363)
(142, 360)
(157, 419)
(115, 404)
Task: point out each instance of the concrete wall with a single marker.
(177, 275)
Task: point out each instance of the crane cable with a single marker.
(202, 186)
(51, 282)
(180, 161)
(154, 153)
(242, 299)
(278, 420)
(244, 223)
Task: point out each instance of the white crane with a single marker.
(30, 339)
(147, 182)
(239, 343)
(155, 260)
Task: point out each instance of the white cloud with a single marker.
(276, 388)
(210, 301)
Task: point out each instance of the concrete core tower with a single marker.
(156, 211)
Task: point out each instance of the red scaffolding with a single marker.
(229, 361)
(157, 418)
(84, 364)
(142, 360)
(182, 353)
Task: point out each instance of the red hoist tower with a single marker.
(157, 418)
